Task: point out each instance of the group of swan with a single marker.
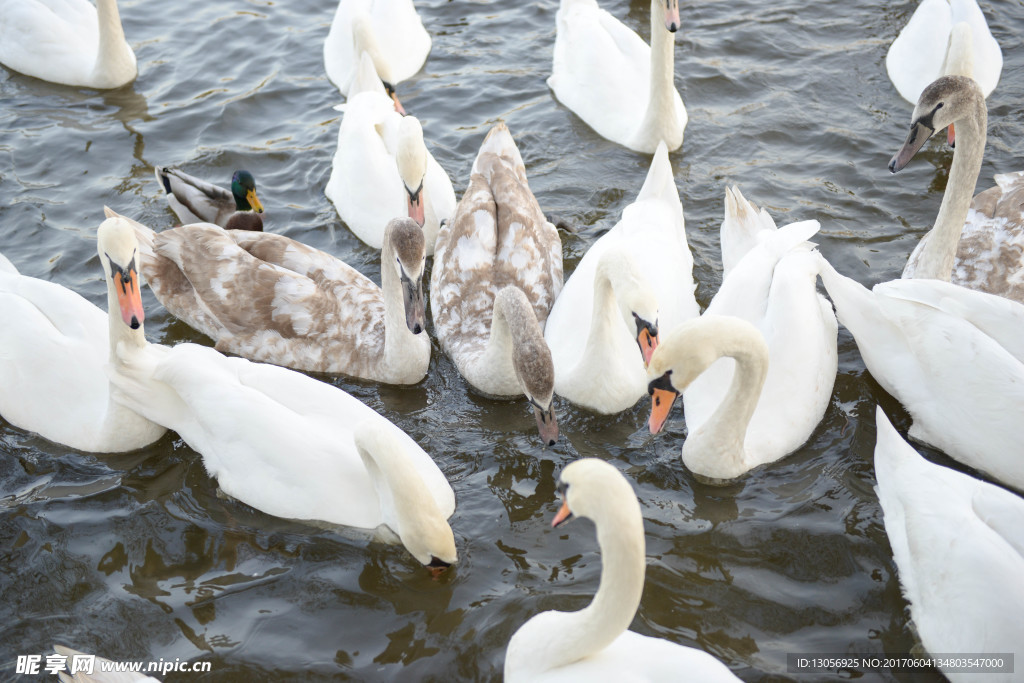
(756, 370)
(278, 440)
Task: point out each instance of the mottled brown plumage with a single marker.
(498, 240)
(269, 298)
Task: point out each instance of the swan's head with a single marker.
(590, 488)
(638, 304)
(531, 360)
(243, 187)
(421, 526)
(364, 39)
(118, 250)
(671, 13)
(944, 101)
(689, 349)
(409, 249)
(412, 164)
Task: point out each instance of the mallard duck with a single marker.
(197, 201)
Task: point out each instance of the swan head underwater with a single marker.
(946, 100)
(416, 519)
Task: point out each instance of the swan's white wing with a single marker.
(988, 57)
(948, 557)
(967, 392)
(915, 58)
(598, 60)
(53, 346)
(365, 185)
(998, 317)
(56, 40)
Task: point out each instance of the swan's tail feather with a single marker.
(660, 183)
(849, 297)
(499, 143)
(366, 78)
(7, 267)
(790, 237)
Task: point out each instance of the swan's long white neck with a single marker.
(716, 448)
(935, 254)
(115, 61)
(593, 628)
(400, 487)
(660, 118)
(602, 349)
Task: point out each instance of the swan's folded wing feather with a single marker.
(598, 59)
(916, 56)
(988, 57)
(995, 316)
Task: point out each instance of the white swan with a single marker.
(194, 200)
(285, 443)
(55, 345)
(267, 297)
(952, 356)
(741, 229)
(593, 643)
(640, 273)
(607, 75)
(944, 38)
(959, 548)
(382, 168)
(766, 401)
(964, 246)
(66, 41)
(389, 30)
(98, 673)
(497, 270)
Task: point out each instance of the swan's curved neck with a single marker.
(718, 444)
(596, 626)
(514, 325)
(661, 107)
(601, 349)
(398, 338)
(115, 57)
(936, 253)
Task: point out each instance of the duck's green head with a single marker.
(243, 187)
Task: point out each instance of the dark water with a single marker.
(136, 557)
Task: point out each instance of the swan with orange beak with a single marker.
(55, 348)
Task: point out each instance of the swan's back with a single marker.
(916, 57)
(990, 256)
(958, 546)
(497, 237)
(55, 345)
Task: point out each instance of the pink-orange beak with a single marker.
(951, 136)
(129, 298)
(416, 209)
(672, 16)
(648, 343)
(661, 405)
(564, 513)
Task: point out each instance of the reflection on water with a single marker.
(138, 556)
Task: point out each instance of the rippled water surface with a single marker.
(137, 557)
